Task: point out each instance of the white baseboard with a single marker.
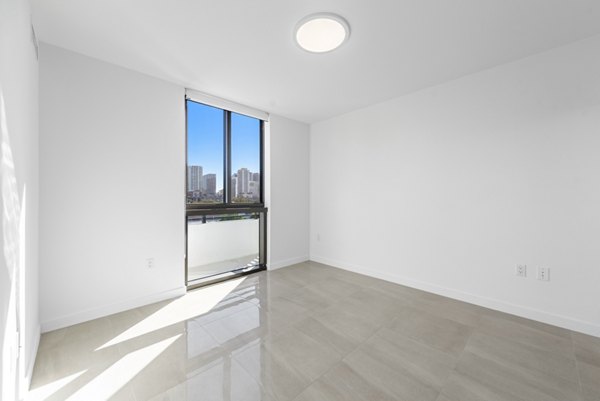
(502, 306)
(287, 262)
(102, 311)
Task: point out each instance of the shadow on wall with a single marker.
(12, 237)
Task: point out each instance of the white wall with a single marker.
(19, 187)
(287, 191)
(448, 189)
(112, 173)
(112, 182)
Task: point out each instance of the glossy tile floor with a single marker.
(312, 332)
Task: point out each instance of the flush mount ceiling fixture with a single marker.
(321, 32)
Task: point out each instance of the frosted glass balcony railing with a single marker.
(220, 244)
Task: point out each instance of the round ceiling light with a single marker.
(322, 32)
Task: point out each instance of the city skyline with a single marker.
(205, 133)
(245, 184)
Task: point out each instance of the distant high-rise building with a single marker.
(194, 178)
(243, 178)
(234, 192)
(209, 184)
(254, 189)
(254, 186)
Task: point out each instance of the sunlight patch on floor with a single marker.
(192, 304)
(109, 382)
(44, 392)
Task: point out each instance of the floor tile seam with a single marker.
(504, 365)
(287, 327)
(312, 281)
(349, 295)
(343, 299)
(290, 283)
(375, 286)
(183, 374)
(286, 283)
(338, 363)
(443, 318)
(535, 331)
(135, 397)
(207, 365)
(215, 359)
(361, 343)
(515, 340)
(335, 366)
(408, 372)
(305, 309)
(594, 351)
(511, 368)
(227, 351)
(493, 387)
(577, 365)
(456, 361)
(311, 310)
(201, 327)
(404, 369)
(456, 357)
(427, 308)
(222, 317)
(260, 344)
(331, 294)
(482, 315)
(251, 376)
(439, 397)
(362, 286)
(245, 297)
(571, 355)
(236, 296)
(266, 390)
(495, 361)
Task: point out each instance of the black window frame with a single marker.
(227, 200)
(227, 206)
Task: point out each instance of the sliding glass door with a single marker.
(226, 217)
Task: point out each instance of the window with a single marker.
(205, 127)
(223, 144)
(245, 159)
(218, 244)
(225, 213)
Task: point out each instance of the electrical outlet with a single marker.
(150, 263)
(543, 273)
(521, 270)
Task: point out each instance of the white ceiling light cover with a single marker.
(322, 32)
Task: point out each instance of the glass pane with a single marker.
(222, 243)
(245, 159)
(205, 153)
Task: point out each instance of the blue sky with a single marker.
(205, 140)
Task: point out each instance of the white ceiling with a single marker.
(243, 50)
